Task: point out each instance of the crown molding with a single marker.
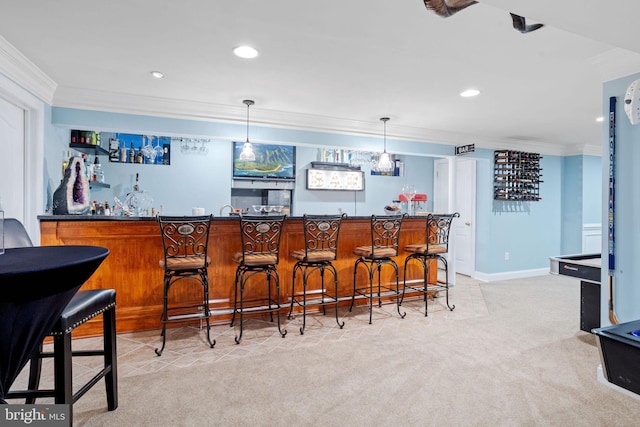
(18, 68)
(108, 101)
(616, 63)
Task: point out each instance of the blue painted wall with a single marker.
(626, 275)
(592, 187)
(530, 232)
(194, 180)
(581, 199)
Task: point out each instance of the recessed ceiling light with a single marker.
(157, 74)
(600, 119)
(246, 52)
(469, 93)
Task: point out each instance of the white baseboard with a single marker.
(521, 274)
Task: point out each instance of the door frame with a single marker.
(472, 194)
(33, 153)
(451, 183)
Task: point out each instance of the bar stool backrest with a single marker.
(385, 234)
(437, 233)
(321, 234)
(15, 235)
(185, 241)
(260, 236)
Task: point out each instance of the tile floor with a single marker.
(186, 346)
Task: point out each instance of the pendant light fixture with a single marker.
(247, 150)
(384, 162)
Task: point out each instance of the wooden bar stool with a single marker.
(385, 235)
(434, 249)
(321, 248)
(260, 237)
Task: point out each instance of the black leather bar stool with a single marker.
(321, 248)
(84, 306)
(433, 250)
(260, 237)
(385, 236)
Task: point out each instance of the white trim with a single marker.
(33, 152)
(16, 66)
(521, 274)
(591, 232)
(108, 101)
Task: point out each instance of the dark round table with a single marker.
(36, 284)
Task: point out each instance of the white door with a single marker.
(443, 199)
(11, 164)
(464, 227)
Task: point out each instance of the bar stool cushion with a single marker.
(317, 256)
(367, 252)
(421, 248)
(255, 259)
(185, 263)
(84, 306)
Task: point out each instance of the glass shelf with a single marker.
(98, 184)
(88, 148)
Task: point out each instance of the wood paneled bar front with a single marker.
(135, 246)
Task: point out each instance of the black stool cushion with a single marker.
(84, 306)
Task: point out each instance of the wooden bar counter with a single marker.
(135, 246)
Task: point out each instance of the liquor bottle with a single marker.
(123, 153)
(91, 164)
(96, 173)
(132, 154)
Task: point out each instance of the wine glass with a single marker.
(159, 150)
(147, 150)
(408, 191)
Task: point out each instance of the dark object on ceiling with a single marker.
(446, 8)
(520, 24)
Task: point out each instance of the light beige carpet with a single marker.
(513, 356)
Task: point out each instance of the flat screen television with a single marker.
(272, 162)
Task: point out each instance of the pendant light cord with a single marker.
(248, 103)
(385, 120)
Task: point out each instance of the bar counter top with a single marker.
(133, 268)
(153, 218)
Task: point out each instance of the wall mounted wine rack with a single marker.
(516, 176)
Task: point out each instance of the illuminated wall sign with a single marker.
(326, 179)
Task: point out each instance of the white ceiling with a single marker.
(340, 65)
